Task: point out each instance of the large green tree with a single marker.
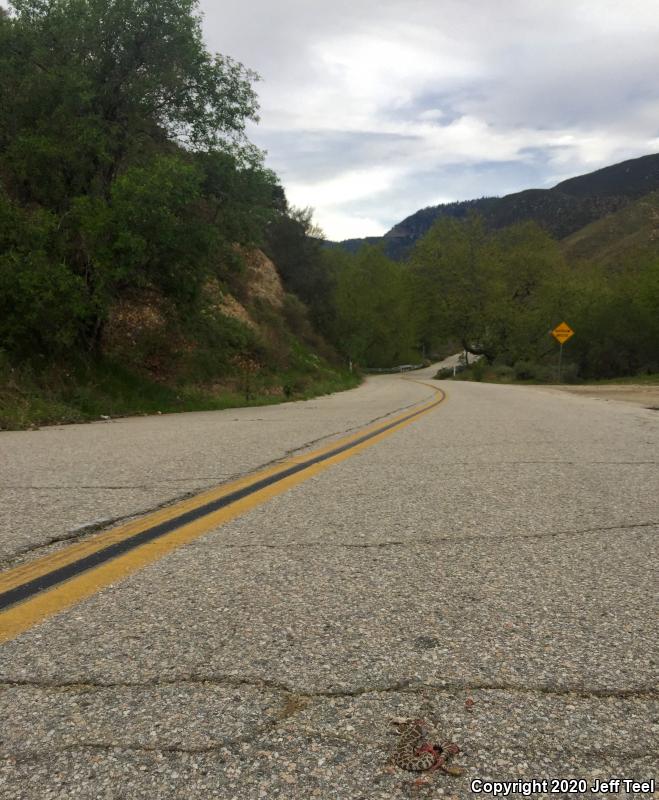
(452, 268)
(615, 314)
(123, 157)
(500, 293)
(374, 324)
(90, 84)
(493, 293)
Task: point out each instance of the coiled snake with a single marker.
(416, 753)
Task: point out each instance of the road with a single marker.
(499, 547)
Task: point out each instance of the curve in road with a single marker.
(39, 589)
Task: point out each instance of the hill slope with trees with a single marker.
(127, 184)
(631, 234)
(149, 261)
(499, 294)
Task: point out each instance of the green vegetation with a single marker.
(499, 294)
(133, 212)
(493, 293)
(130, 200)
(374, 321)
(124, 165)
(361, 302)
(294, 243)
(488, 276)
(533, 373)
(618, 240)
(92, 390)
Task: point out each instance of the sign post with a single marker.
(562, 333)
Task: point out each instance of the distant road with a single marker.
(499, 546)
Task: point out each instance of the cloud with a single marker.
(371, 110)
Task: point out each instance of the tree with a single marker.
(493, 293)
(615, 315)
(451, 268)
(374, 325)
(294, 243)
(123, 153)
(91, 84)
(525, 293)
(42, 302)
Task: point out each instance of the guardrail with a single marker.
(392, 370)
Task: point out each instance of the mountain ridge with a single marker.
(562, 210)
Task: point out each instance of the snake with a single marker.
(416, 753)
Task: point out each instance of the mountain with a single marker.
(353, 245)
(561, 210)
(621, 238)
(632, 178)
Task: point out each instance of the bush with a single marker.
(444, 373)
(477, 369)
(297, 318)
(570, 373)
(216, 341)
(532, 371)
(525, 371)
(42, 305)
(504, 372)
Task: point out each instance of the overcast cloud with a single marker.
(371, 110)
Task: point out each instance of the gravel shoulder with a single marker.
(638, 394)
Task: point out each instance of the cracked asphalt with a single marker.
(61, 482)
(500, 549)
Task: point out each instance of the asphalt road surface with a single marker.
(489, 566)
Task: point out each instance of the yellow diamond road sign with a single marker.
(562, 333)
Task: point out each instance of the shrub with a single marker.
(525, 371)
(570, 373)
(504, 372)
(477, 369)
(42, 305)
(297, 318)
(444, 373)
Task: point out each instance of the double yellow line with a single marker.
(39, 589)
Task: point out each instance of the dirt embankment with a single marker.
(139, 329)
(262, 283)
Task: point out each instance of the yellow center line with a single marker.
(74, 552)
(19, 618)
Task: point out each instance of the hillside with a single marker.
(632, 178)
(631, 233)
(132, 212)
(561, 210)
(251, 344)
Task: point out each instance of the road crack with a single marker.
(87, 531)
(439, 540)
(301, 694)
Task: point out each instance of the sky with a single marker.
(372, 109)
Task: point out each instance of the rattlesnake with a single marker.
(414, 751)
